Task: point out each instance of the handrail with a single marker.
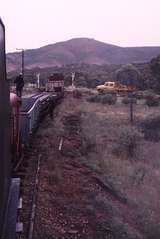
(33, 106)
(28, 112)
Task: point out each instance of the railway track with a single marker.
(34, 193)
(28, 173)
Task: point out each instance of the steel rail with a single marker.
(34, 200)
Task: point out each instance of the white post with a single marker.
(38, 80)
(73, 78)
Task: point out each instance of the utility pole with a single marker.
(22, 61)
(131, 107)
(131, 102)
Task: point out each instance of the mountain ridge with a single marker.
(80, 50)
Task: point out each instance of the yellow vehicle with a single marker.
(113, 87)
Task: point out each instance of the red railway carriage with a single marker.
(15, 103)
(9, 133)
(5, 164)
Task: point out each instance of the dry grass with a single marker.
(137, 179)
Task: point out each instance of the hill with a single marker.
(80, 50)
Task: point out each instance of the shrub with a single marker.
(143, 94)
(139, 95)
(127, 141)
(103, 98)
(109, 99)
(152, 100)
(127, 100)
(77, 94)
(151, 128)
(94, 98)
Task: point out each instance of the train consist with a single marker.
(5, 163)
(18, 120)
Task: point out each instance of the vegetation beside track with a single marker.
(96, 187)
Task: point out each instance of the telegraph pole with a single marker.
(131, 107)
(22, 61)
(131, 102)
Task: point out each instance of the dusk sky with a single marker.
(35, 23)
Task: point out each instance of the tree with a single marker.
(155, 65)
(130, 76)
(155, 68)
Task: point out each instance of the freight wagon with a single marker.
(55, 83)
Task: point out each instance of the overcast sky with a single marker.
(35, 23)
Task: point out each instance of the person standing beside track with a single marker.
(19, 84)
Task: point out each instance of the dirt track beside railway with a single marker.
(67, 187)
(84, 192)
